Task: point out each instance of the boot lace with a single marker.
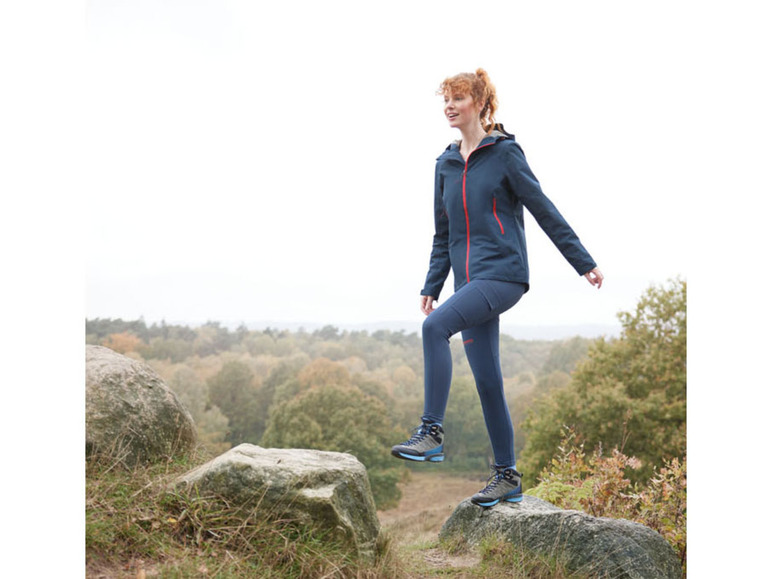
(494, 480)
(419, 433)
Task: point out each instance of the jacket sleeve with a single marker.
(528, 191)
(439, 263)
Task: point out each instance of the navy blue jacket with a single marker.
(478, 215)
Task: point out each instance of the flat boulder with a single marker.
(132, 416)
(326, 491)
(595, 546)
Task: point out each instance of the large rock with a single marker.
(324, 490)
(131, 415)
(596, 546)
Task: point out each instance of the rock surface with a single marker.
(131, 415)
(597, 546)
(327, 490)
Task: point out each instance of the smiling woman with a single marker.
(470, 100)
(482, 184)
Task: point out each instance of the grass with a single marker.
(492, 559)
(503, 559)
(136, 527)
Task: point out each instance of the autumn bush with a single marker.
(598, 485)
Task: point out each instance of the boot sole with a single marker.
(515, 499)
(432, 458)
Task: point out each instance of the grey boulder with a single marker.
(595, 546)
(132, 416)
(328, 491)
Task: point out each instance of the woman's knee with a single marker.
(434, 329)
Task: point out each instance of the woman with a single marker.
(482, 183)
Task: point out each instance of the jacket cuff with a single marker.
(585, 267)
(432, 291)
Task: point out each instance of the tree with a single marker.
(101, 328)
(468, 443)
(122, 342)
(324, 372)
(174, 349)
(406, 381)
(629, 394)
(522, 400)
(211, 423)
(234, 391)
(328, 332)
(565, 354)
(342, 419)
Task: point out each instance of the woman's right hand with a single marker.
(427, 304)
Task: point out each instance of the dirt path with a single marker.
(431, 492)
(428, 500)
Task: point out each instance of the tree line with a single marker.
(362, 392)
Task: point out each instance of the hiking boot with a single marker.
(503, 485)
(424, 445)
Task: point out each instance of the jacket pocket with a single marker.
(497, 217)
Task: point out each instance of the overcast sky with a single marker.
(256, 161)
(253, 161)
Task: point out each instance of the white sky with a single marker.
(274, 161)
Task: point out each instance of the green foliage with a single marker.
(598, 486)
(519, 356)
(328, 332)
(234, 391)
(99, 328)
(629, 394)
(173, 349)
(389, 366)
(467, 444)
(211, 423)
(213, 338)
(564, 355)
(342, 419)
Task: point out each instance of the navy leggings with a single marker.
(474, 311)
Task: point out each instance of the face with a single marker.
(461, 110)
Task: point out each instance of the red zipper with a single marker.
(466, 211)
(497, 217)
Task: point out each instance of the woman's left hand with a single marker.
(595, 277)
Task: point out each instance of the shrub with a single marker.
(599, 486)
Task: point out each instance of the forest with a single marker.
(362, 392)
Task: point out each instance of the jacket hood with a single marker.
(500, 133)
(496, 134)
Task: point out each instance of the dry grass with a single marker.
(136, 528)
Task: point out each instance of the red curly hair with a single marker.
(479, 85)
